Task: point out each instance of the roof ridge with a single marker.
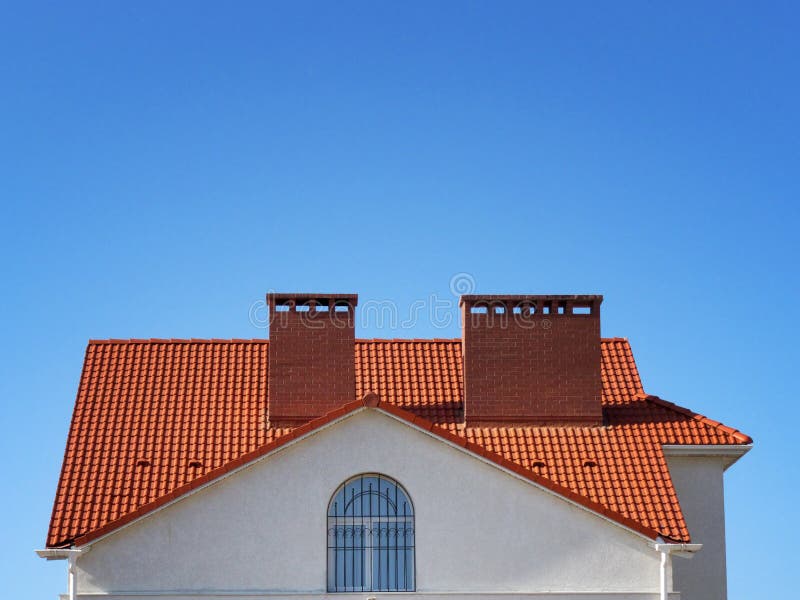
(410, 340)
(177, 341)
(98, 341)
(743, 437)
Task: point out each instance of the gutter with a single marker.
(667, 552)
(71, 556)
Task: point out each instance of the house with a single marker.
(523, 460)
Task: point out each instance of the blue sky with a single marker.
(162, 167)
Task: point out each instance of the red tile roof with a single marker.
(153, 417)
(422, 376)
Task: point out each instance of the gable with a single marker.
(154, 415)
(262, 527)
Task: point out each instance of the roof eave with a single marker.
(59, 553)
(728, 453)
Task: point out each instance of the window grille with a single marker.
(370, 537)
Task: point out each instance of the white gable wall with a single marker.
(698, 481)
(478, 528)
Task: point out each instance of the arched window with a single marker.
(370, 536)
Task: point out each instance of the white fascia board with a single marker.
(58, 553)
(429, 595)
(730, 453)
(682, 550)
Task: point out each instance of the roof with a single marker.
(154, 417)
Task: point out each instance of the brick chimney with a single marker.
(311, 355)
(531, 360)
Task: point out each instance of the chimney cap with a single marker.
(284, 298)
(531, 298)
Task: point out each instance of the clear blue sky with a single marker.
(163, 165)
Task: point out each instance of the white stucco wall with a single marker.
(698, 481)
(478, 528)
